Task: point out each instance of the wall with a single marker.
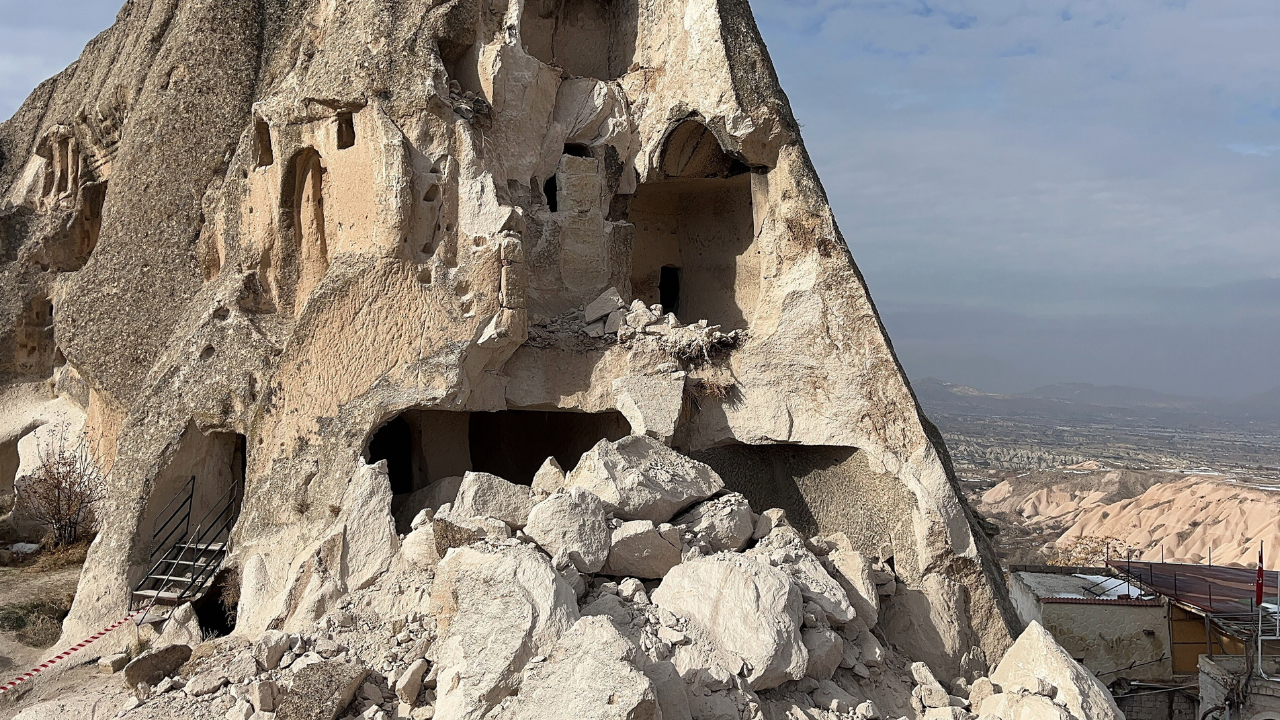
(1025, 601)
(1108, 637)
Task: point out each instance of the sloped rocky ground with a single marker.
(608, 593)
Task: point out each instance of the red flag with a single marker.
(1257, 588)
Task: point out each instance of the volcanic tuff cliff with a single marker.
(276, 242)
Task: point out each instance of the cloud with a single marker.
(1066, 163)
(1061, 163)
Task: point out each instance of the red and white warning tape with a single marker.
(66, 653)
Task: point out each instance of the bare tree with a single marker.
(64, 490)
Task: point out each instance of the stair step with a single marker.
(161, 596)
(170, 578)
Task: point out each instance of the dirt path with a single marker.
(19, 586)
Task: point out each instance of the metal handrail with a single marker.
(199, 541)
(187, 493)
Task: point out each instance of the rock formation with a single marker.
(354, 256)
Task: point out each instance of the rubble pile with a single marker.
(608, 318)
(633, 586)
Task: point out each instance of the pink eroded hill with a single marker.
(1188, 517)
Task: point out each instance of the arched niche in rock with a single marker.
(695, 250)
(300, 257)
(587, 38)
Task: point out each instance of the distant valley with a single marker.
(1059, 425)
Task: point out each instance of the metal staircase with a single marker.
(189, 559)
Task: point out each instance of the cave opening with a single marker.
(428, 451)
(346, 130)
(262, 143)
(552, 193)
(695, 250)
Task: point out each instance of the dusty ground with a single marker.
(19, 588)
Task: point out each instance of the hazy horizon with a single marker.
(1085, 191)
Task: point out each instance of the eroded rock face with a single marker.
(389, 235)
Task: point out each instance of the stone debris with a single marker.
(572, 521)
(484, 495)
(725, 523)
(587, 615)
(639, 478)
(155, 665)
(640, 549)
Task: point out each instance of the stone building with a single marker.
(1109, 626)
(271, 246)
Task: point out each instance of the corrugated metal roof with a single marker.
(1130, 602)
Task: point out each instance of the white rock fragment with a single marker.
(572, 521)
(641, 549)
(609, 301)
(639, 478)
(725, 522)
(1036, 657)
(743, 608)
(484, 495)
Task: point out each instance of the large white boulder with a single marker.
(744, 608)
(726, 523)
(485, 495)
(1036, 656)
(572, 521)
(590, 675)
(641, 549)
(496, 608)
(639, 478)
(1018, 706)
(785, 549)
(852, 570)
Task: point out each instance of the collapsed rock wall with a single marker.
(317, 215)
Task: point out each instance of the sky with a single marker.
(1036, 191)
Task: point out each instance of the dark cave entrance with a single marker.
(216, 609)
(427, 451)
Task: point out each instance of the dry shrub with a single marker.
(230, 598)
(36, 624)
(64, 491)
(717, 388)
(61, 557)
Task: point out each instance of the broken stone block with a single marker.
(981, 689)
(785, 549)
(572, 521)
(595, 329)
(591, 673)
(484, 495)
(409, 684)
(321, 691)
(263, 695)
(767, 521)
(652, 404)
(453, 531)
(112, 663)
(725, 522)
(549, 478)
(639, 478)
(614, 322)
(932, 696)
(609, 301)
(641, 549)
(1013, 706)
(744, 608)
(853, 571)
(509, 601)
(826, 650)
(155, 665)
(270, 648)
(205, 683)
(1037, 657)
(832, 697)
